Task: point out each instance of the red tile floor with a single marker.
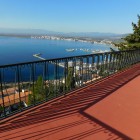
(107, 110)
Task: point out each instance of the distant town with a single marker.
(94, 39)
(80, 39)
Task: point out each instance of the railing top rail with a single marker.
(63, 58)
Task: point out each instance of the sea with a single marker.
(14, 50)
(17, 50)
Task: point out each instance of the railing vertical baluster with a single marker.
(78, 70)
(133, 57)
(121, 60)
(106, 64)
(45, 78)
(102, 65)
(65, 72)
(1, 79)
(58, 72)
(122, 63)
(48, 79)
(19, 89)
(92, 66)
(97, 65)
(88, 69)
(74, 73)
(124, 60)
(113, 65)
(129, 58)
(138, 56)
(56, 65)
(110, 64)
(82, 70)
(33, 80)
(116, 62)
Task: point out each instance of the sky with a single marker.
(109, 16)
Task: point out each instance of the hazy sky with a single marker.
(113, 16)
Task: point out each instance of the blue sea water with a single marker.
(17, 50)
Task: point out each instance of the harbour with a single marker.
(27, 49)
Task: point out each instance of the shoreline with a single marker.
(75, 39)
(65, 38)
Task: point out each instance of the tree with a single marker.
(1, 109)
(38, 91)
(70, 80)
(132, 40)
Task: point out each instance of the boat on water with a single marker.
(69, 50)
(85, 50)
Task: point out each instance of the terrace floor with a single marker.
(106, 110)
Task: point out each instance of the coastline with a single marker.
(79, 39)
(53, 37)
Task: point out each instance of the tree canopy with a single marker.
(38, 92)
(132, 40)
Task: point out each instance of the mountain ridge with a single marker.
(46, 32)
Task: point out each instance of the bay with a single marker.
(17, 50)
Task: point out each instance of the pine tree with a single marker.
(70, 81)
(38, 92)
(133, 40)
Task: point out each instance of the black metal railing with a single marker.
(28, 84)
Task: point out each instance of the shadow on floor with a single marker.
(71, 105)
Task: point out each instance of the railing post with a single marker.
(121, 60)
(56, 78)
(2, 93)
(45, 78)
(130, 60)
(97, 65)
(19, 89)
(102, 65)
(92, 66)
(65, 73)
(74, 72)
(33, 80)
(81, 63)
(110, 62)
(107, 64)
(87, 68)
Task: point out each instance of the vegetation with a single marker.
(132, 40)
(38, 92)
(1, 109)
(70, 80)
